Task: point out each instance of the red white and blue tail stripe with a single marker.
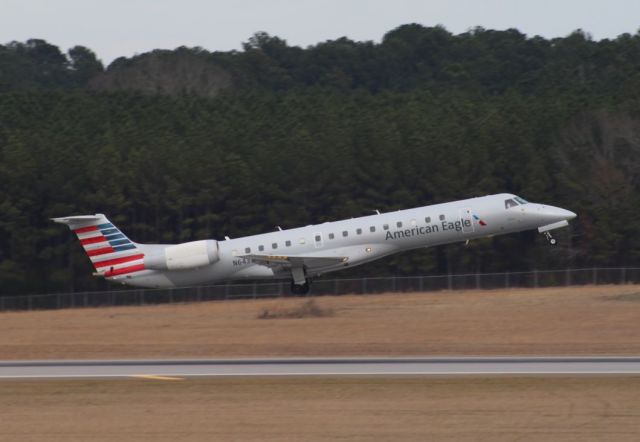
(109, 250)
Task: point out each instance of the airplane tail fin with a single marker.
(109, 250)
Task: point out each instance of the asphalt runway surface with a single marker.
(170, 369)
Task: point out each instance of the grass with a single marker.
(596, 320)
(321, 409)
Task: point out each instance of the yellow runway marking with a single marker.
(157, 378)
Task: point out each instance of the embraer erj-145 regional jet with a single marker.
(307, 252)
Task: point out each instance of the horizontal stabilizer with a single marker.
(79, 220)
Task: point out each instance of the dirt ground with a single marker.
(592, 320)
(318, 409)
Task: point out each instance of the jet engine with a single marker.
(189, 255)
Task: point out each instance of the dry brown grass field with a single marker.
(596, 320)
(591, 320)
(475, 409)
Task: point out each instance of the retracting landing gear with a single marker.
(300, 289)
(300, 284)
(550, 238)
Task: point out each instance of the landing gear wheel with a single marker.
(300, 289)
(550, 238)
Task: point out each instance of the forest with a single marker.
(185, 144)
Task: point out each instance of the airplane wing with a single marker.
(289, 261)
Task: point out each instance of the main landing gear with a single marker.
(300, 284)
(550, 238)
(300, 289)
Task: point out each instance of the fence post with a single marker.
(421, 284)
(363, 288)
(623, 276)
(254, 286)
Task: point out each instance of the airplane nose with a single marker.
(553, 214)
(568, 214)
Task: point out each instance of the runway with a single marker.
(177, 369)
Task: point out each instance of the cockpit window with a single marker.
(509, 203)
(521, 200)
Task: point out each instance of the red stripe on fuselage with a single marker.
(115, 261)
(97, 252)
(93, 240)
(86, 229)
(124, 270)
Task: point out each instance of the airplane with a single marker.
(304, 253)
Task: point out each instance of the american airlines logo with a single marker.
(481, 222)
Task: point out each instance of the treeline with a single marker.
(410, 57)
(284, 144)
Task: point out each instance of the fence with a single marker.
(394, 284)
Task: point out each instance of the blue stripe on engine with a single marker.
(121, 248)
(119, 242)
(109, 231)
(105, 226)
(116, 236)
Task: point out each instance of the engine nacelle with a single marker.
(189, 255)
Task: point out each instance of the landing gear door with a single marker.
(466, 218)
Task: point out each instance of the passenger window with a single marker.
(261, 248)
(274, 245)
(331, 236)
(441, 217)
(317, 238)
(345, 233)
(247, 250)
(427, 219)
(385, 226)
(399, 224)
(372, 229)
(359, 231)
(287, 243)
(509, 203)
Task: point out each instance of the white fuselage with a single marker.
(360, 240)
